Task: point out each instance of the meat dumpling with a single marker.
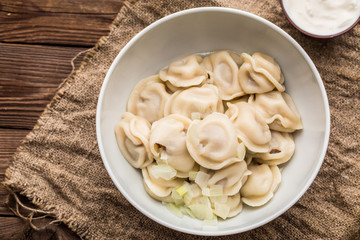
(230, 178)
(282, 148)
(251, 127)
(279, 111)
(159, 188)
(132, 136)
(260, 186)
(195, 102)
(260, 73)
(227, 206)
(186, 72)
(223, 71)
(212, 142)
(148, 99)
(235, 204)
(168, 143)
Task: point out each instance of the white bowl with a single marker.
(203, 30)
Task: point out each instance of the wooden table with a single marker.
(38, 39)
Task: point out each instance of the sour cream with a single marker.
(323, 17)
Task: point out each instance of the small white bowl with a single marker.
(203, 30)
(315, 35)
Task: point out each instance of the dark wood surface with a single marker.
(38, 39)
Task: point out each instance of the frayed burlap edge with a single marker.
(17, 188)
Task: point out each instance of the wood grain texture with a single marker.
(10, 139)
(56, 22)
(38, 39)
(7, 224)
(29, 77)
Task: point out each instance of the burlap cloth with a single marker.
(59, 167)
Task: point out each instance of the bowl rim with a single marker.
(328, 36)
(229, 11)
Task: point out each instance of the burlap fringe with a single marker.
(30, 217)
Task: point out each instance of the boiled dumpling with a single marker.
(226, 206)
(279, 111)
(235, 204)
(282, 148)
(261, 184)
(212, 142)
(132, 135)
(223, 71)
(167, 143)
(195, 102)
(260, 73)
(159, 188)
(186, 72)
(148, 99)
(250, 125)
(230, 178)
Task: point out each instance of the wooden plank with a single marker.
(10, 139)
(16, 228)
(4, 210)
(56, 22)
(29, 77)
(12, 228)
(62, 6)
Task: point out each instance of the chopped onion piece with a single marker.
(219, 199)
(163, 171)
(195, 190)
(161, 161)
(163, 155)
(222, 210)
(163, 158)
(192, 175)
(206, 192)
(202, 211)
(174, 209)
(186, 185)
(216, 190)
(188, 197)
(202, 179)
(187, 211)
(179, 202)
(175, 195)
(204, 200)
(182, 190)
